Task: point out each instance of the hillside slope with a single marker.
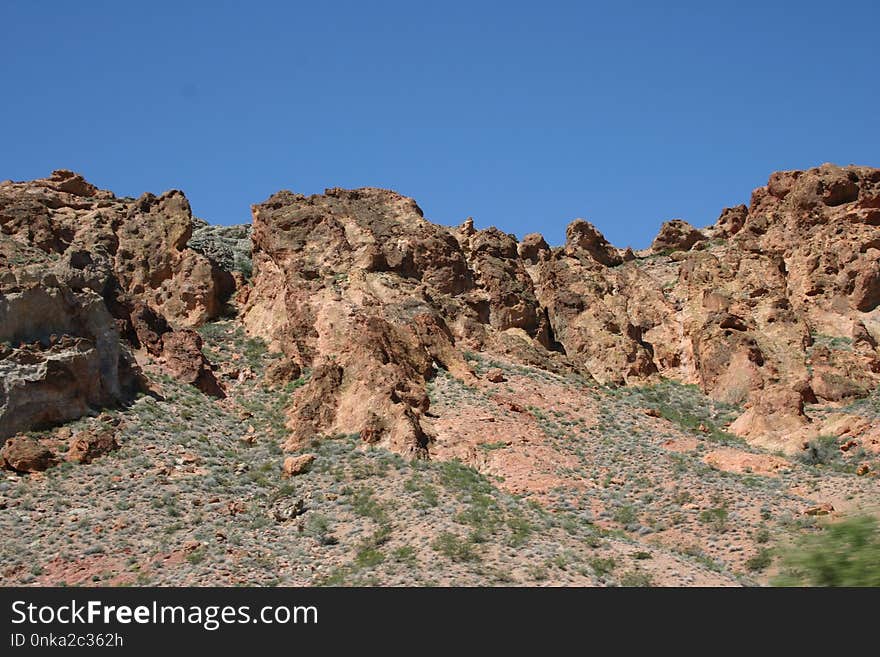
(367, 397)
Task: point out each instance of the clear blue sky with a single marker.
(524, 115)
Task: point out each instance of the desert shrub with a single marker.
(636, 578)
(459, 477)
(482, 513)
(455, 548)
(716, 518)
(602, 566)
(520, 530)
(688, 407)
(318, 525)
(762, 535)
(760, 560)
(368, 557)
(365, 504)
(405, 555)
(426, 491)
(626, 515)
(822, 450)
(845, 553)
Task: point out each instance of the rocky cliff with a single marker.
(771, 308)
(85, 278)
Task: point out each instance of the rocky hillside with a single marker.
(754, 310)
(558, 409)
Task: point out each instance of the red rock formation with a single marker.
(73, 259)
(102, 242)
(23, 454)
(772, 307)
(360, 287)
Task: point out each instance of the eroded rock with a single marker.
(24, 454)
(85, 446)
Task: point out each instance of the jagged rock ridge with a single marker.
(358, 286)
(359, 289)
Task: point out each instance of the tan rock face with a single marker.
(83, 276)
(360, 287)
(97, 241)
(153, 263)
(63, 356)
(359, 272)
(533, 248)
(599, 314)
(509, 296)
(583, 239)
(766, 311)
(182, 352)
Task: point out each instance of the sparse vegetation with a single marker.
(454, 547)
(760, 560)
(820, 451)
(365, 516)
(637, 578)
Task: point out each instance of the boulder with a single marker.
(297, 465)
(583, 239)
(533, 248)
(68, 358)
(182, 353)
(85, 446)
(24, 454)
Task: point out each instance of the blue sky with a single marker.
(523, 115)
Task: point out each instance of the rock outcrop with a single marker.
(360, 287)
(676, 235)
(87, 445)
(772, 308)
(61, 356)
(183, 357)
(764, 315)
(117, 246)
(81, 272)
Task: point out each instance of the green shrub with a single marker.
(822, 450)
(459, 477)
(405, 555)
(318, 526)
(637, 578)
(364, 504)
(367, 557)
(427, 492)
(453, 547)
(845, 553)
(760, 560)
(602, 566)
(520, 530)
(626, 515)
(197, 556)
(688, 407)
(716, 518)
